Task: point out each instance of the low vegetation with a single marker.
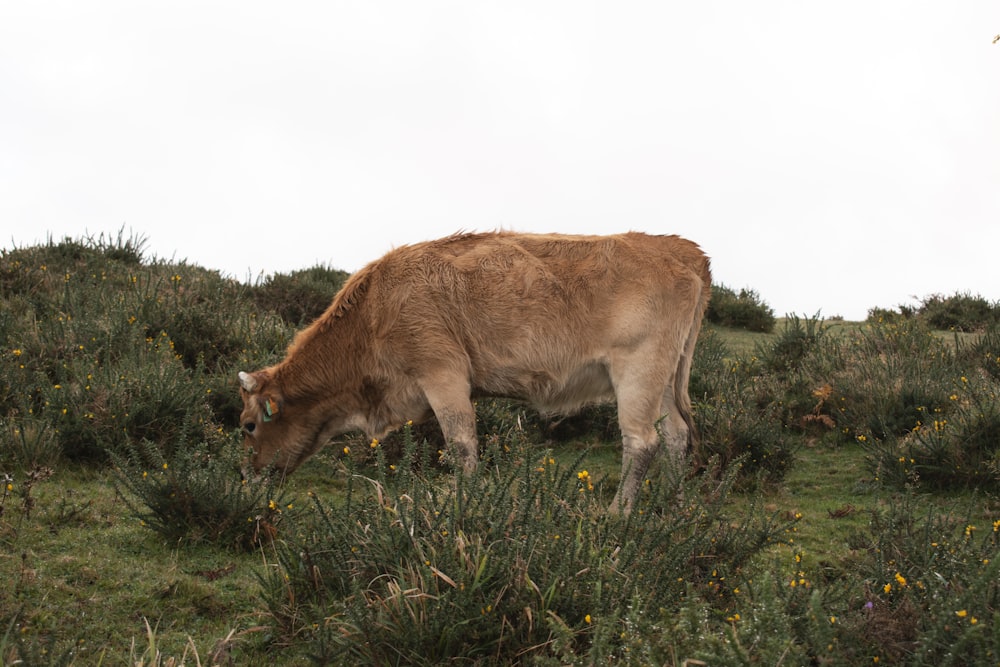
(842, 508)
(741, 310)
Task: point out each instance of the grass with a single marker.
(84, 572)
(743, 343)
(90, 577)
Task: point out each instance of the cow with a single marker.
(560, 321)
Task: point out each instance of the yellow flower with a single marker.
(582, 475)
(887, 588)
(374, 443)
(587, 619)
(272, 505)
(347, 450)
(962, 613)
(901, 580)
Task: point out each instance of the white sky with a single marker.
(833, 156)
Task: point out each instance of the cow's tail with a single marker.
(681, 380)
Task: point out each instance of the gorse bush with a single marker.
(926, 412)
(962, 312)
(984, 352)
(739, 414)
(198, 494)
(104, 349)
(516, 563)
(955, 447)
(958, 312)
(931, 594)
(301, 296)
(796, 340)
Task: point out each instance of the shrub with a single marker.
(738, 414)
(708, 370)
(744, 424)
(886, 378)
(520, 562)
(961, 312)
(796, 340)
(199, 494)
(930, 589)
(984, 352)
(957, 446)
(744, 310)
(301, 296)
(104, 348)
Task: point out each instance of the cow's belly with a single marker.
(548, 392)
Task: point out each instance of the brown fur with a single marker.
(560, 321)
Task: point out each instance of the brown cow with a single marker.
(559, 321)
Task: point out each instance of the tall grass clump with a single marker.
(521, 562)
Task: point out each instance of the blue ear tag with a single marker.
(268, 410)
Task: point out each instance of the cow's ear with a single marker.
(270, 407)
(248, 382)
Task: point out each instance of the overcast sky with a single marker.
(833, 156)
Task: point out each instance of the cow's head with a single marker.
(271, 438)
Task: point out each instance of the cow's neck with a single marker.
(321, 368)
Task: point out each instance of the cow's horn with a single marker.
(247, 381)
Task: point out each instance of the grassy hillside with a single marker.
(843, 508)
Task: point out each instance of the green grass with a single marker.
(89, 576)
(741, 342)
(84, 572)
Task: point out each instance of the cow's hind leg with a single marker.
(452, 405)
(639, 391)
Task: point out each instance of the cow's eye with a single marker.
(250, 427)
